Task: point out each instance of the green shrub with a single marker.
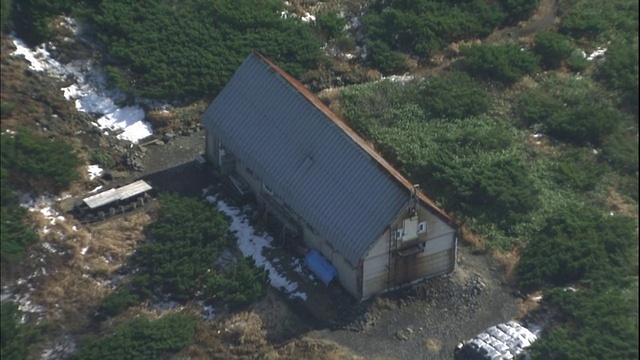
(504, 63)
(495, 189)
(577, 61)
(38, 163)
(571, 109)
(345, 43)
(102, 158)
(587, 124)
(518, 9)
(15, 233)
(620, 71)
(31, 18)
(192, 50)
(621, 151)
(553, 48)
(242, 283)
(15, 336)
(5, 14)
(537, 106)
(142, 339)
(6, 109)
(579, 24)
(472, 166)
(368, 105)
(594, 324)
(187, 240)
(579, 169)
(576, 243)
(118, 301)
(330, 24)
(455, 96)
(422, 27)
(386, 60)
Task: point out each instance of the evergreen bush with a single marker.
(504, 63)
(455, 96)
(187, 240)
(118, 301)
(190, 51)
(553, 48)
(142, 339)
(35, 162)
(15, 336)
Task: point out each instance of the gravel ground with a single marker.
(170, 167)
(426, 321)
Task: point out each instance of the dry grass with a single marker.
(113, 241)
(508, 261)
(471, 238)
(331, 98)
(278, 320)
(312, 349)
(245, 328)
(617, 204)
(73, 284)
(528, 305)
(433, 345)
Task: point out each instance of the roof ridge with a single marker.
(379, 159)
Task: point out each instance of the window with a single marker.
(399, 234)
(422, 227)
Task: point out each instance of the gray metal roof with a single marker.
(307, 156)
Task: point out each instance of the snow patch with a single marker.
(597, 54)
(42, 204)
(208, 312)
(253, 245)
(308, 18)
(398, 78)
(89, 91)
(94, 171)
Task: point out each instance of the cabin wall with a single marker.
(346, 272)
(248, 176)
(212, 145)
(381, 271)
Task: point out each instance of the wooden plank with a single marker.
(102, 198)
(133, 189)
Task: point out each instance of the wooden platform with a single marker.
(114, 195)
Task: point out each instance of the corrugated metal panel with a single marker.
(273, 128)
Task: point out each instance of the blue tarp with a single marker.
(321, 266)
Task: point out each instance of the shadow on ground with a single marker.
(185, 179)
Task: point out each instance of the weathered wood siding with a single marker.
(346, 273)
(253, 181)
(438, 256)
(211, 149)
